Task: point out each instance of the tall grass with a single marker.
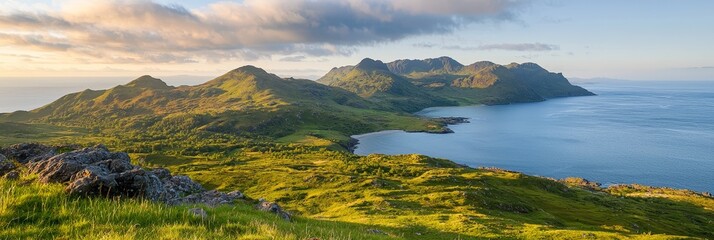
(29, 210)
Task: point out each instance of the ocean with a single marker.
(645, 132)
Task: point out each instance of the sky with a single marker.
(634, 39)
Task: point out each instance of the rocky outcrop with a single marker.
(96, 171)
(6, 165)
(211, 198)
(274, 208)
(28, 152)
(12, 175)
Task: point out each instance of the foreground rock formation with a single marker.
(96, 171)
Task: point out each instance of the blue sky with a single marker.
(648, 40)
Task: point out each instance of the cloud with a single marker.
(145, 31)
(522, 47)
(293, 59)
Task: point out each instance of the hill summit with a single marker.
(248, 100)
(448, 82)
(147, 81)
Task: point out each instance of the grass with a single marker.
(21, 132)
(338, 195)
(433, 197)
(29, 210)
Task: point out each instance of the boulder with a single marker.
(61, 168)
(178, 186)
(274, 208)
(28, 152)
(96, 171)
(93, 180)
(6, 165)
(210, 198)
(12, 175)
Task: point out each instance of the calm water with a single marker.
(653, 133)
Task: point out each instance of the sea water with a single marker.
(652, 133)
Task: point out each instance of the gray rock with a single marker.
(96, 171)
(211, 198)
(198, 212)
(6, 165)
(176, 187)
(141, 183)
(61, 168)
(161, 173)
(12, 175)
(274, 208)
(28, 152)
(93, 180)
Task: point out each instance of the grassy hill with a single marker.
(374, 81)
(285, 140)
(479, 83)
(337, 195)
(247, 102)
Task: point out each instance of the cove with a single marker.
(652, 133)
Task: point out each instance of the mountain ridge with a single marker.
(453, 83)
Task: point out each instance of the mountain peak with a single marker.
(250, 69)
(371, 64)
(442, 64)
(526, 65)
(147, 81)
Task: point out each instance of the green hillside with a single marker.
(247, 102)
(337, 195)
(287, 140)
(374, 81)
(446, 79)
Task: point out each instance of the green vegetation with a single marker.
(340, 195)
(448, 82)
(287, 140)
(372, 80)
(29, 210)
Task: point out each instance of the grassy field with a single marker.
(29, 210)
(339, 195)
(428, 198)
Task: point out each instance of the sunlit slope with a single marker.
(372, 80)
(245, 101)
(446, 79)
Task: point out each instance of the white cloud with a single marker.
(145, 31)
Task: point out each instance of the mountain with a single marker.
(444, 78)
(244, 101)
(248, 101)
(442, 65)
(373, 80)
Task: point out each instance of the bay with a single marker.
(652, 133)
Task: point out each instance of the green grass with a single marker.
(434, 197)
(11, 132)
(340, 196)
(286, 140)
(29, 210)
(323, 184)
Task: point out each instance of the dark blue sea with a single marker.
(652, 133)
